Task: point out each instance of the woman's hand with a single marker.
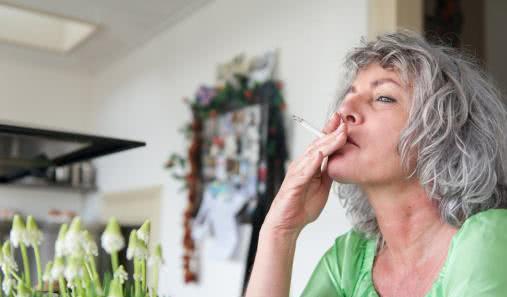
(300, 200)
(305, 189)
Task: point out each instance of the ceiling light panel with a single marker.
(41, 30)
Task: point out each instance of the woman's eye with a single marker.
(385, 99)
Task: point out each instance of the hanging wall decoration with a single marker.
(235, 161)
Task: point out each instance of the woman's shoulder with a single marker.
(350, 251)
(488, 222)
(353, 239)
(339, 270)
(482, 233)
(477, 260)
(490, 214)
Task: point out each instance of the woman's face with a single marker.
(376, 110)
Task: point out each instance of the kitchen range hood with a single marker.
(27, 151)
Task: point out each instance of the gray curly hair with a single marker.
(457, 127)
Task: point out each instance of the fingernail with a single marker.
(341, 128)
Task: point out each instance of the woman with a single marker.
(418, 145)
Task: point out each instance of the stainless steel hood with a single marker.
(25, 150)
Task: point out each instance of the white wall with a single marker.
(139, 97)
(39, 95)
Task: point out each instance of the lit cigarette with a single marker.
(306, 125)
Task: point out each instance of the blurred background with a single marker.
(121, 72)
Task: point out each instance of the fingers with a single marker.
(332, 123)
(312, 163)
(310, 166)
(326, 179)
(327, 144)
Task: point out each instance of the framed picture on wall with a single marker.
(232, 173)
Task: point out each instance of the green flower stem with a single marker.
(26, 265)
(137, 285)
(39, 269)
(92, 272)
(88, 269)
(114, 261)
(143, 273)
(79, 289)
(95, 278)
(50, 288)
(63, 289)
(16, 276)
(84, 282)
(156, 267)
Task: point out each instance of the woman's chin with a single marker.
(340, 167)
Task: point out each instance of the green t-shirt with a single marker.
(476, 264)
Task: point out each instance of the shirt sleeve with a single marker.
(478, 266)
(326, 278)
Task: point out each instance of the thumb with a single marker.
(326, 180)
(321, 174)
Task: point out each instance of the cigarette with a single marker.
(306, 125)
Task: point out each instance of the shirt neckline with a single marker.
(371, 249)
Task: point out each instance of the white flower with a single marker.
(7, 284)
(16, 237)
(89, 246)
(143, 236)
(57, 269)
(8, 262)
(60, 241)
(72, 272)
(141, 252)
(156, 258)
(121, 275)
(112, 240)
(132, 245)
(152, 261)
(33, 236)
(73, 243)
(144, 232)
(112, 243)
(130, 253)
(18, 231)
(8, 265)
(137, 248)
(59, 248)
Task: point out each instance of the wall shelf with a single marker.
(52, 186)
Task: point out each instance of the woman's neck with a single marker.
(410, 223)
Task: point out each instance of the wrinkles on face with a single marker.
(376, 111)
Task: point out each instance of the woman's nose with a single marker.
(350, 113)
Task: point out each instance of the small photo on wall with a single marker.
(231, 156)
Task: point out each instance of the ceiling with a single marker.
(123, 25)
